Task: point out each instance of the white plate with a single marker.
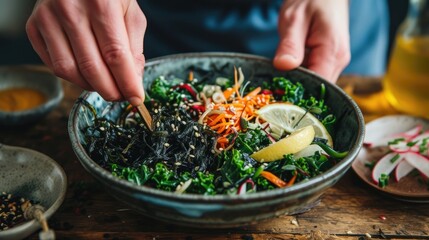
(408, 188)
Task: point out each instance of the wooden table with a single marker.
(349, 210)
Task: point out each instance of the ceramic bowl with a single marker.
(222, 211)
(31, 175)
(36, 78)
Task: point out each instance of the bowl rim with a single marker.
(33, 224)
(102, 173)
(51, 101)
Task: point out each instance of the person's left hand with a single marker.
(314, 34)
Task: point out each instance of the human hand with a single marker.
(314, 34)
(95, 44)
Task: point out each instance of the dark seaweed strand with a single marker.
(188, 146)
(177, 141)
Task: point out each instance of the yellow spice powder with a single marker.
(20, 99)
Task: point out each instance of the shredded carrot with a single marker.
(191, 76)
(292, 180)
(273, 179)
(235, 109)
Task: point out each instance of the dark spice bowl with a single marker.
(32, 77)
(222, 211)
(33, 176)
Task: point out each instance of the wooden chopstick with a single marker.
(144, 113)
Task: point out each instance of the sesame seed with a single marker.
(191, 156)
(195, 128)
(192, 146)
(166, 144)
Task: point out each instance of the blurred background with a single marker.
(16, 49)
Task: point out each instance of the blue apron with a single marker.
(251, 27)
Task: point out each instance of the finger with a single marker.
(135, 23)
(114, 44)
(325, 62)
(60, 58)
(37, 42)
(293, 33)
(329, 54)
(85, 49)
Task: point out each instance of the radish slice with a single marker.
(407, 136)
(412, 133)
(385, 165)
(419, 162)
(382, 141)
(421, 136)
(420, 141)
(402, 170)
(243, 187)
(400, 147)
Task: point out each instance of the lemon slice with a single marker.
(289, 118)
(293, 143)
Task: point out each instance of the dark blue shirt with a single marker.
(251, 27)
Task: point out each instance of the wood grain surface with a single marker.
(349, 210)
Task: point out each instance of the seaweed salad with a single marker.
(217, 135)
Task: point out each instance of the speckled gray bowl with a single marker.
(35, 77)
(32, 175)
(225, 211)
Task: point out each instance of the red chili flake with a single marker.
(266, 92)
(367, 145)
(199, 108)
(279, 92)
(188, 88)
(382, 217)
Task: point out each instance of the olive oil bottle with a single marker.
(406, 83)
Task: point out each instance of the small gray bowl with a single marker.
(223, 211)
(32, 175)
(34, 77)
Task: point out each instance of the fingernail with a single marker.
(135, 101)
(286, 58)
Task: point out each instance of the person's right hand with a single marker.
(96, 44)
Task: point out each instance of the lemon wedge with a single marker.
(293, 143)
(288, 117)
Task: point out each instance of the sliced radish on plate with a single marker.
(399, 147)
(397, 137)
(412, 133)
(402, 170)
(385, 165)
(420, 162)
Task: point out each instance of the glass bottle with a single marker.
(406, 83)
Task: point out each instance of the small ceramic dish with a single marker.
(32, 77)
(409, 188)
(31, 175)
